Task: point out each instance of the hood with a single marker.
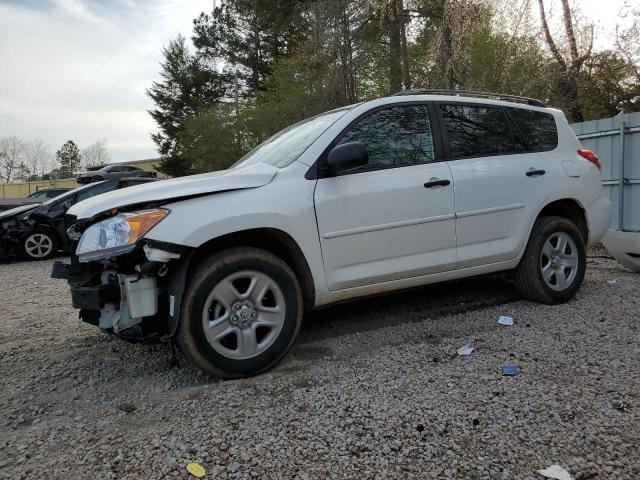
(14, 212)
(166, 191)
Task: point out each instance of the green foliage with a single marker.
(187, 86)
(261, 65)
(214, 138)
(249, 35)
(609, 86)
(69, 158)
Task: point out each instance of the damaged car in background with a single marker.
(390, 194)
(38, 232)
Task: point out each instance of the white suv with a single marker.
(394, 193)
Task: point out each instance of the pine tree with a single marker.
(186, 86)
(68, 157)
(249, 36)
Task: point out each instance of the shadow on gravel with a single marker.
(409, 306)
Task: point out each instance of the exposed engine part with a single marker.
(138, 298)
(158, 255)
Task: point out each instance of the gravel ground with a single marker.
(371, 390)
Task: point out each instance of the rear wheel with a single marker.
(39, 244)
(241, 312)
(554, 262)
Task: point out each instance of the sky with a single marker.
(78, 69)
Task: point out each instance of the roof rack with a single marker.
(469, 93)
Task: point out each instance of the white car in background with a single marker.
(367, 199)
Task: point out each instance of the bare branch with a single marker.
(568, 27)
(547, 35)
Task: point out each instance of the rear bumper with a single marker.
(598, 219)
(625, 247)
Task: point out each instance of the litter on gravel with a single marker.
(556, 472)
(196, 470)
(510, 370)
(465, 351)
(504, 320)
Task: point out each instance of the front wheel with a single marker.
(97, 178)
(554, 262)
(241, 312)
(39, 244)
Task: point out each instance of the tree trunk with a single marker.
(446, 58)
(395, 50)
(406, 73)
(347, 55)
(568, 87)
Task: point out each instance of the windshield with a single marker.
(288, 144)
(70, 193)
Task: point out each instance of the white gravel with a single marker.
(371, 390)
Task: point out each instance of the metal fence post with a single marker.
(621, 193)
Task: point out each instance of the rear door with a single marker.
(392, 218)
(499, 182)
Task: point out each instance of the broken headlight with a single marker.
(117, 235)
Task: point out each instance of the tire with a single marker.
(39, 244)
(4, 256)
(227, 348)
(97, 178)
(562, 264)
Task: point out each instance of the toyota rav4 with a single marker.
(398, 192)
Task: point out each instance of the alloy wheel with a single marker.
(243, 315)
(38, 245)
(559, 261)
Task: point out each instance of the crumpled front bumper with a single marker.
(135, 296)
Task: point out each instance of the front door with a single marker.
(499, 183)
(394, 217)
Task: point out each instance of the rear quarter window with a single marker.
(478, 131)
(538, 128)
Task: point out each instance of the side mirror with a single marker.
(67, 205)
(347, 156)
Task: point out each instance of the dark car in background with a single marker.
(37, 232)
(112, 172)
(45, 194)
(36, 197)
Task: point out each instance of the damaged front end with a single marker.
(133, 290)
(12, 230)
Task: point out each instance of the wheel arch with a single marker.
(272, 240)
(572, 210)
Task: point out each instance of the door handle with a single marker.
(535, 173)
(436, 183)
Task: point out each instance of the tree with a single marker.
(609, 86)
(628, 40)
(249, 37)
(569, 69)
(22, 172)
(186, 86)
(96, 153)
(69, 158)
(36, 156)
(11, 155)
(211, 139)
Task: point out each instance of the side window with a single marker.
(476, 131)
(539, 128)
(394, 137)
(97, 190)
(115, 169)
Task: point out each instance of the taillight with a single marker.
(592, 157)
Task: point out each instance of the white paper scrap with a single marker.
(504, 320)
(465, 350)
(556, 472)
